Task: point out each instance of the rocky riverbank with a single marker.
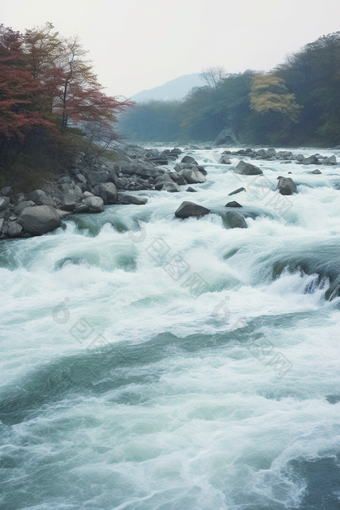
(88, 187)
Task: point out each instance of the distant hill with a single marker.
(171, 90)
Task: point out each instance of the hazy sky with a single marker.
(140, 44)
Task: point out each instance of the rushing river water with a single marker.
(149, 362)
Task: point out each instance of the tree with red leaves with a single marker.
(17, 88)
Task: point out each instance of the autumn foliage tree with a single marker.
(47, 81)
(18, 91)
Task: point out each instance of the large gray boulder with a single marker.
(68, 201)
(236, 220)
(286, 186)
(330, 161)
(39, 220)
(14, 229)
(190, 160)
(4, 203)
(177, 178)
(107, 191)
(94, 204)
(39, 197)
(188, 209)
(192, 175)
(22, 205)
(245, 168)
(171, 187)
(311, 160)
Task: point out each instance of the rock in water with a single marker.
(14, 229)
(95, 204)
(189, 159)
(236, 220)
(247, 169)
(286, 186)
(192, 176)
(188, 209)
(233, 204)
(39, 220)
(238, 190)
(132, 199)
(224, 160)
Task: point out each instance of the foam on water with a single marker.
(183, 406)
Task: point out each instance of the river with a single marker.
(149, 362)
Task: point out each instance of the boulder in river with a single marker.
(316, 172)
(330, 161)
(189, 159)
(224, 160)
(131, 199)
(286, 186)
(238, 190)
(95, 204)
(171, 187)
(236, 220)
(107, 191)
(245, 168)
(192, 175)
(188, 209)
(39, 220)
(233, 204)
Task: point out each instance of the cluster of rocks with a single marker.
(273, 155)
(87, 188)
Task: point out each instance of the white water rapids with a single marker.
(120, 388)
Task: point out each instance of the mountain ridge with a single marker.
(171, 90)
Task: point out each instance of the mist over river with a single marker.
(149, 362)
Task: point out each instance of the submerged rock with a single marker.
(236, 220)
(188, 209)
(238, 190)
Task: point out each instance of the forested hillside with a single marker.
(296, 103)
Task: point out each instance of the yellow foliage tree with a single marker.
(270, 95)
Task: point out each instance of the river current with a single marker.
(149, 362)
